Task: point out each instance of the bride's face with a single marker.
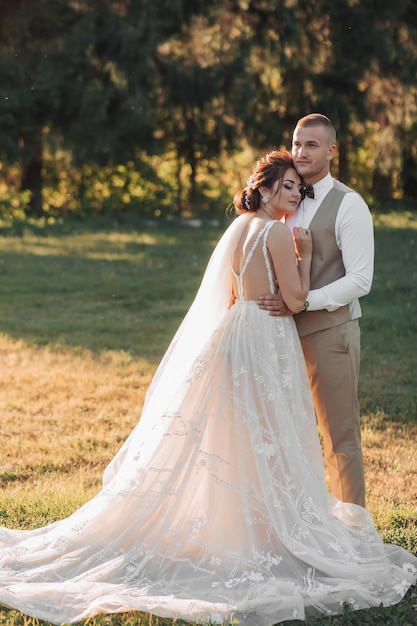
(286, 194)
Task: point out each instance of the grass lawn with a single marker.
(88, 308)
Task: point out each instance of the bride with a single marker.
(215, 508)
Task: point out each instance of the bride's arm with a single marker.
(293, 277)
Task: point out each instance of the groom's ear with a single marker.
(332, 151)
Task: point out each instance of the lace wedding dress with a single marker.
(215, 508)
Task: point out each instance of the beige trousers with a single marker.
(333, 357)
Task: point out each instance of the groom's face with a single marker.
(312, 152)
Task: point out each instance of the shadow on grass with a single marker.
(101, 288)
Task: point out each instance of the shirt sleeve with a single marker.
(355, 239)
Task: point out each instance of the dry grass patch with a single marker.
(64, 415)
(390, 453)
(391, 462)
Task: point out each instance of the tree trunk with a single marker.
(382, 186)
(409, 175)
(32, 180)
(343, 167)
(178, 176)
(193, 195)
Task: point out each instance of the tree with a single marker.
(78, 74)
(196, 70)
(107, 80)
(29, 92)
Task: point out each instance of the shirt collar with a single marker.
(322, 186)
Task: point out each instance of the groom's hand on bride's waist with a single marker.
(274, 304)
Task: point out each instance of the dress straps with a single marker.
(263, 233)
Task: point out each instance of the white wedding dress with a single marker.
(215, 508)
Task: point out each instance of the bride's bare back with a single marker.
(264, 264)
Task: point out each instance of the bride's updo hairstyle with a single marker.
(268, 170)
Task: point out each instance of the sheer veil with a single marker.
(170, 381)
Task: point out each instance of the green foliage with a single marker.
(131, 188)
(84, 71)
(78, 76)
(97, 82)
(148, 186)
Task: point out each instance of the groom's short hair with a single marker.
(317, 119)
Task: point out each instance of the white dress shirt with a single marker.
(355, 239)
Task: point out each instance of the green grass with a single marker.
(100, 287)
(389, 325)
(108, 297)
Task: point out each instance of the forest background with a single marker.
(159, 108)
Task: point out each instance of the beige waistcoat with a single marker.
(327, 265)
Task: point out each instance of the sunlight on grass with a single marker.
(108, 290)
(108, 246)
(65, 415)
(390, 454)
(402, 219)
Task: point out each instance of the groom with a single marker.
(341, 272)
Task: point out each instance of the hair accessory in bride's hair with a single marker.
(249, 182)
(247, 201)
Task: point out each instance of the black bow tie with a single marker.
(307, 190)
